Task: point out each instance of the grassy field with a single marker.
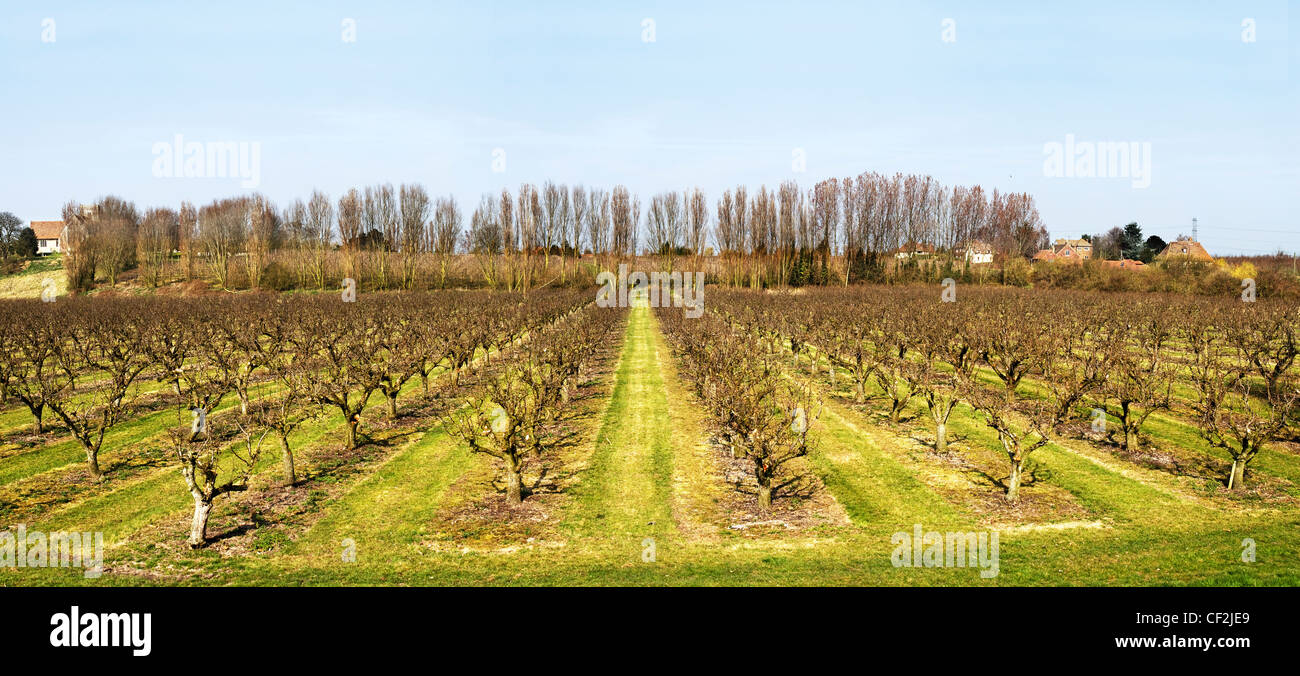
(643, 495)
(37, 276)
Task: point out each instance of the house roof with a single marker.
(1069, 254)
(47, 229)
(1072, 242)
(1126, 264)
(979, 247)
(1062, 254)
(913, 247)
(1186, 247)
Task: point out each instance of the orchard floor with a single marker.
(643, 496)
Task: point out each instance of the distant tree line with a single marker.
(386, 237)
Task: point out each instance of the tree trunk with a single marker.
(243, 401)
(353, 423)
(1013, 482)
(1237, 476)
(941, 437)
(765, 497)
(1130, 438)
(859, 395)
(392, 404)
(199, 526)
(38, 412)
(514, 482)
(290, 475)
(92, 461)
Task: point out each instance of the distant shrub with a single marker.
(277, 277)
(1277, 284)
(11, 265)
(1017, 272)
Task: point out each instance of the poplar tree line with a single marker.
(400, 237)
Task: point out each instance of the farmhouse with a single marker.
(1066, 251)
(1080, 247)
(977, 251)
(913, 250)
(49, 236)
(1187, 248)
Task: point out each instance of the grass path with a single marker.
(384, 514)
(699, 481)
(871, 485)
(626, 492)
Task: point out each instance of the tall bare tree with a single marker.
(697, 213)
(320, 230)
(350, 208)
(158, 237)
(445, 231)
(664, 222)
(598, 224)
(414, 208)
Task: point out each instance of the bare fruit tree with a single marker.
(202, 468)
(1020, 433)
(502, 423)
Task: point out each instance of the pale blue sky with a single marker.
(722, 96)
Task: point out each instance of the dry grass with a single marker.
(32, 280)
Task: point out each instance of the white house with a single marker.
(978, 252)
(49, 236)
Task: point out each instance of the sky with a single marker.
(468, 98)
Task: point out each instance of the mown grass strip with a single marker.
(627, 490)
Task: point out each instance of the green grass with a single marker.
(872, 486)
(626, 491)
